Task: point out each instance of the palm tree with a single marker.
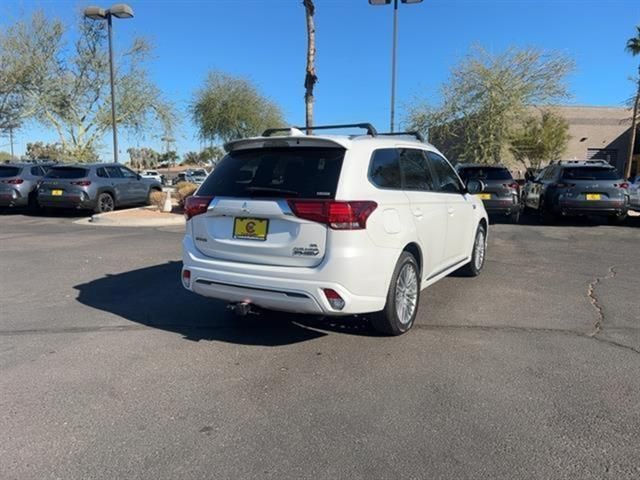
(633, 47)
(310, 78)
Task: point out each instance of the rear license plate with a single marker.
(56, 193)
(250, 228)
(594, 196)
(484, 196)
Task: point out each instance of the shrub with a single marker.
(157, 199)
(185, 190)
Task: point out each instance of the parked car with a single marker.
(634, 193)
(196, 176)
(18, 183)
(591, 187)
(501, 195)
(153, 174)
(101, 187)
(180, 177)
(332, 225)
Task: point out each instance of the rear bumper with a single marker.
(360, 279)
(587, 207)
(66, 201)
(13, 198)
(505, 206)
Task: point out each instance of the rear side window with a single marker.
(384, 170)
(590, 173)
(6, 172)
(302, 172)
(102, 173)
(447, 181)
(481, 173)
(417, 174)
(113, 172)
(67, 172)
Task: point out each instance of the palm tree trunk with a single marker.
(310, 78)
(632, 142)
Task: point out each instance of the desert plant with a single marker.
(157, 199)
(185, 190)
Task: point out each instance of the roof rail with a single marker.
(367, 126)
(412, 133)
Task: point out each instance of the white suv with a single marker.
(332, 225)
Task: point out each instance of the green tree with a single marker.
(191, 158)
(211, 154)
(229, 107)
(45, 151)
(66, 86)
(5, 156)
(170, 157)
(541, 138)
(633, 47)
(143, 157)
(485, 97)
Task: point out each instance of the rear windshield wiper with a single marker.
(269, 190)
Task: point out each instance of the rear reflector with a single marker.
(186, 278)
(622, 185)
(15, 181)
(337, 215)
(196, 205)
(335, 300)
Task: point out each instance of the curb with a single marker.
(111, 219)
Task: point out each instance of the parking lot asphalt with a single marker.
(109, 369)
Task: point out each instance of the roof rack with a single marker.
(367, 126)
(412, 133)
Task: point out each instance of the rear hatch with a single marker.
(250, 218)
(593, 183)
(62, 180)
(499, 184)
(9, 179)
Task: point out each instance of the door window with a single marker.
(126, 173)
(416, 171)
(114, 172)
(384, 170)
(447, 179)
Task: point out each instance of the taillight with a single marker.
(14, 181)
(186, 278)
(82, 183)
(337, 215)
(195, 205)
(622, 185)
(513, 186)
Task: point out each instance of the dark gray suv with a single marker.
(18, 183)
(591, 187)
(101, 187)
(501, 194)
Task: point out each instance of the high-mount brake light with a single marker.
(196, 205)
(337, 215)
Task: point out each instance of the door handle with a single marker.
(417, 212)
(451, 210)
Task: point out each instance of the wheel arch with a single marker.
(414, 249)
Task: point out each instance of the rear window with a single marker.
(590, 173)
(485, 173)
(276, 172)
(67, 172)
(6, 172)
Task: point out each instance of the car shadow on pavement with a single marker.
(153, 296)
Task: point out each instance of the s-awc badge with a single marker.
(311, 251)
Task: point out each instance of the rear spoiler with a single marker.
(274, 142)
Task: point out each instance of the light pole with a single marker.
(393, 50)
(120, 10)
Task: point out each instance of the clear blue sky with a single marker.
(265, 40)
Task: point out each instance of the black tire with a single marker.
(33, 205)
(548, 216)
(388, 321)
(617, 219)
(478, 256)
(105, 203)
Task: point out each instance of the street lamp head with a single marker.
(121, 10)
(95, 13)
(379, 2)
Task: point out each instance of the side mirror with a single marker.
(475, 186)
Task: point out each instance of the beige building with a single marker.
(599, 133)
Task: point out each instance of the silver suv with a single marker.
(101, 187)
(18, 183)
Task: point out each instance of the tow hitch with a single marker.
(242, 309)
